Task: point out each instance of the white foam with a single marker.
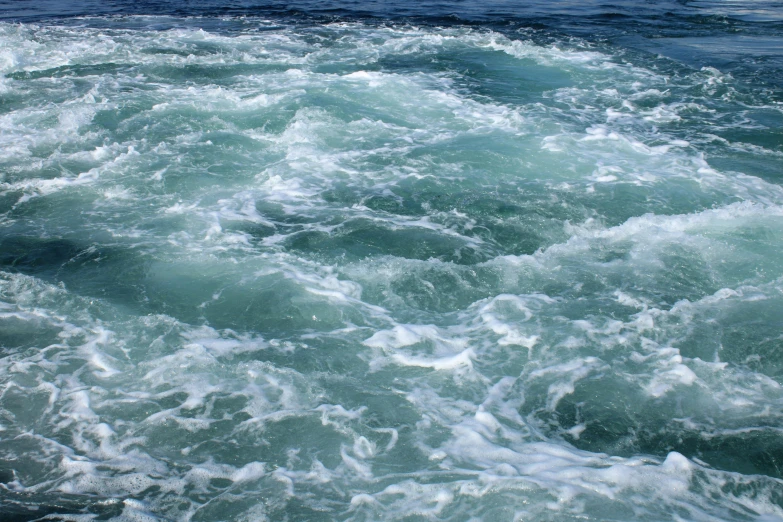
(570, 373)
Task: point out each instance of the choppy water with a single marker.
(420, 261)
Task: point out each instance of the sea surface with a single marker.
(391, 260)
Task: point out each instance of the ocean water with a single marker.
(391, 261)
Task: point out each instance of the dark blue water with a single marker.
(743, 38)
(740, 37)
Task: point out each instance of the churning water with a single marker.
(420, 261)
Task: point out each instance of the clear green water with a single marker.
(364, 271)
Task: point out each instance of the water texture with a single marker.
(409, 261)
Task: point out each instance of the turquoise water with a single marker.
(282, 268)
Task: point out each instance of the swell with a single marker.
(370, 271)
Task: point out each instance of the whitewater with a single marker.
(391, 262)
